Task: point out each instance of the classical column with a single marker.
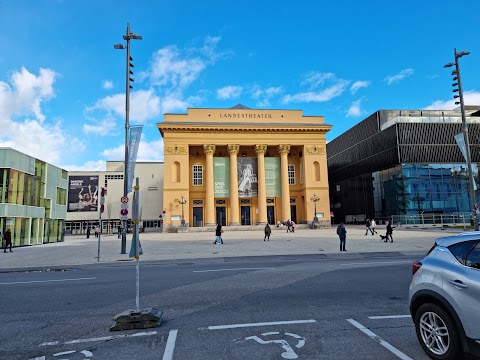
(234, 216)
(209, 186)
(284, 150)
(262, 188)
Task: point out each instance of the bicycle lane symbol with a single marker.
(289, 353)
(88, 355)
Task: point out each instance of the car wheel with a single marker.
(437, 333)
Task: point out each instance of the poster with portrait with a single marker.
(247, 171)
(82, 193)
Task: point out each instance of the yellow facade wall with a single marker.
(185, 136)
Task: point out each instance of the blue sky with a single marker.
(62, 84)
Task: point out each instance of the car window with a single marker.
(473, 257)
(460, 250)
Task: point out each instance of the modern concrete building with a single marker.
(84, 192)
(242, 166)
(403, 163)
(33, 198)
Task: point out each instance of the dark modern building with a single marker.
(403, 163)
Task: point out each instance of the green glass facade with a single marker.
(32, 199)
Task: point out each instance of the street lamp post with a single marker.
(457, 78)
(128, 36)
(182, 201)
(315, 198)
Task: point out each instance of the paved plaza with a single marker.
(78, 250)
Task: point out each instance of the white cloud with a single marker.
(265, 95)
(355, 109)
(27, 93)
(469, 97)
(103, 127)
(358, 85)
(147, 151)
(400, 76)
(144, 106)
(107, 84)
(99, 165)
(36, 137)
(315, 79)
(321, 96)
(229, 92)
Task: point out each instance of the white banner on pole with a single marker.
(133, 143)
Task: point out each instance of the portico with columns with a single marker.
(241, 167)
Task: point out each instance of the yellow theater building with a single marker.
(241, 166)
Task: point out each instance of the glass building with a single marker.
(403, 163)
(33, 198)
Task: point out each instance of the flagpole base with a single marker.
(142, 319)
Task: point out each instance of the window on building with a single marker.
(291, 174)
(61, 196)
(197, 175)
(316, 171)
(302, 173)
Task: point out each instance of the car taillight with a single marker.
(415, 266)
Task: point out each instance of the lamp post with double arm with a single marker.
(458, 82)
(128, 36)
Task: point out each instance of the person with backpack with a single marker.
(268, 231)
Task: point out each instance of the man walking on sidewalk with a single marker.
(368, 225)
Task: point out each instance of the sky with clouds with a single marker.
(62, 83)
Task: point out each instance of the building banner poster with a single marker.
(272, 177)
(247, 170)
(133, 143)
(82, 193)
(221, 177)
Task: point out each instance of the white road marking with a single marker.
(380, 262)
(45, 281)
(172, 337)
(390, 317)
(65, 353)
(378, 339)
(199, 271)
(288, 353)
(104, 338)
(236, 326)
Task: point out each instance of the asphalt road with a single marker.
(269, 307)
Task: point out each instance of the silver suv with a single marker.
(445, 297)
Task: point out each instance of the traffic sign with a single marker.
(124, 200)
(124, 206)
(124, 212)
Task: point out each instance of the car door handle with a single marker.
(458, 283)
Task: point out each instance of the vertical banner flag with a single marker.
(133, 143)
(272, 177)
(247, 170)
(460, 139)
(221, 177)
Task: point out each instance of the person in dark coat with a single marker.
(268, 231)
(8, 241)
(88, 232)
(342, 234)
(368, 226)
(218, 234)
(389, 232)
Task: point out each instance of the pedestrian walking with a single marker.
(373, 225)
(218, 235)
(88, 232)
(289, 225)
(268, 231)
(292, 226)
(97, 231)
(8, 241)
(368, 226)
(389, 232)
(342, 234)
